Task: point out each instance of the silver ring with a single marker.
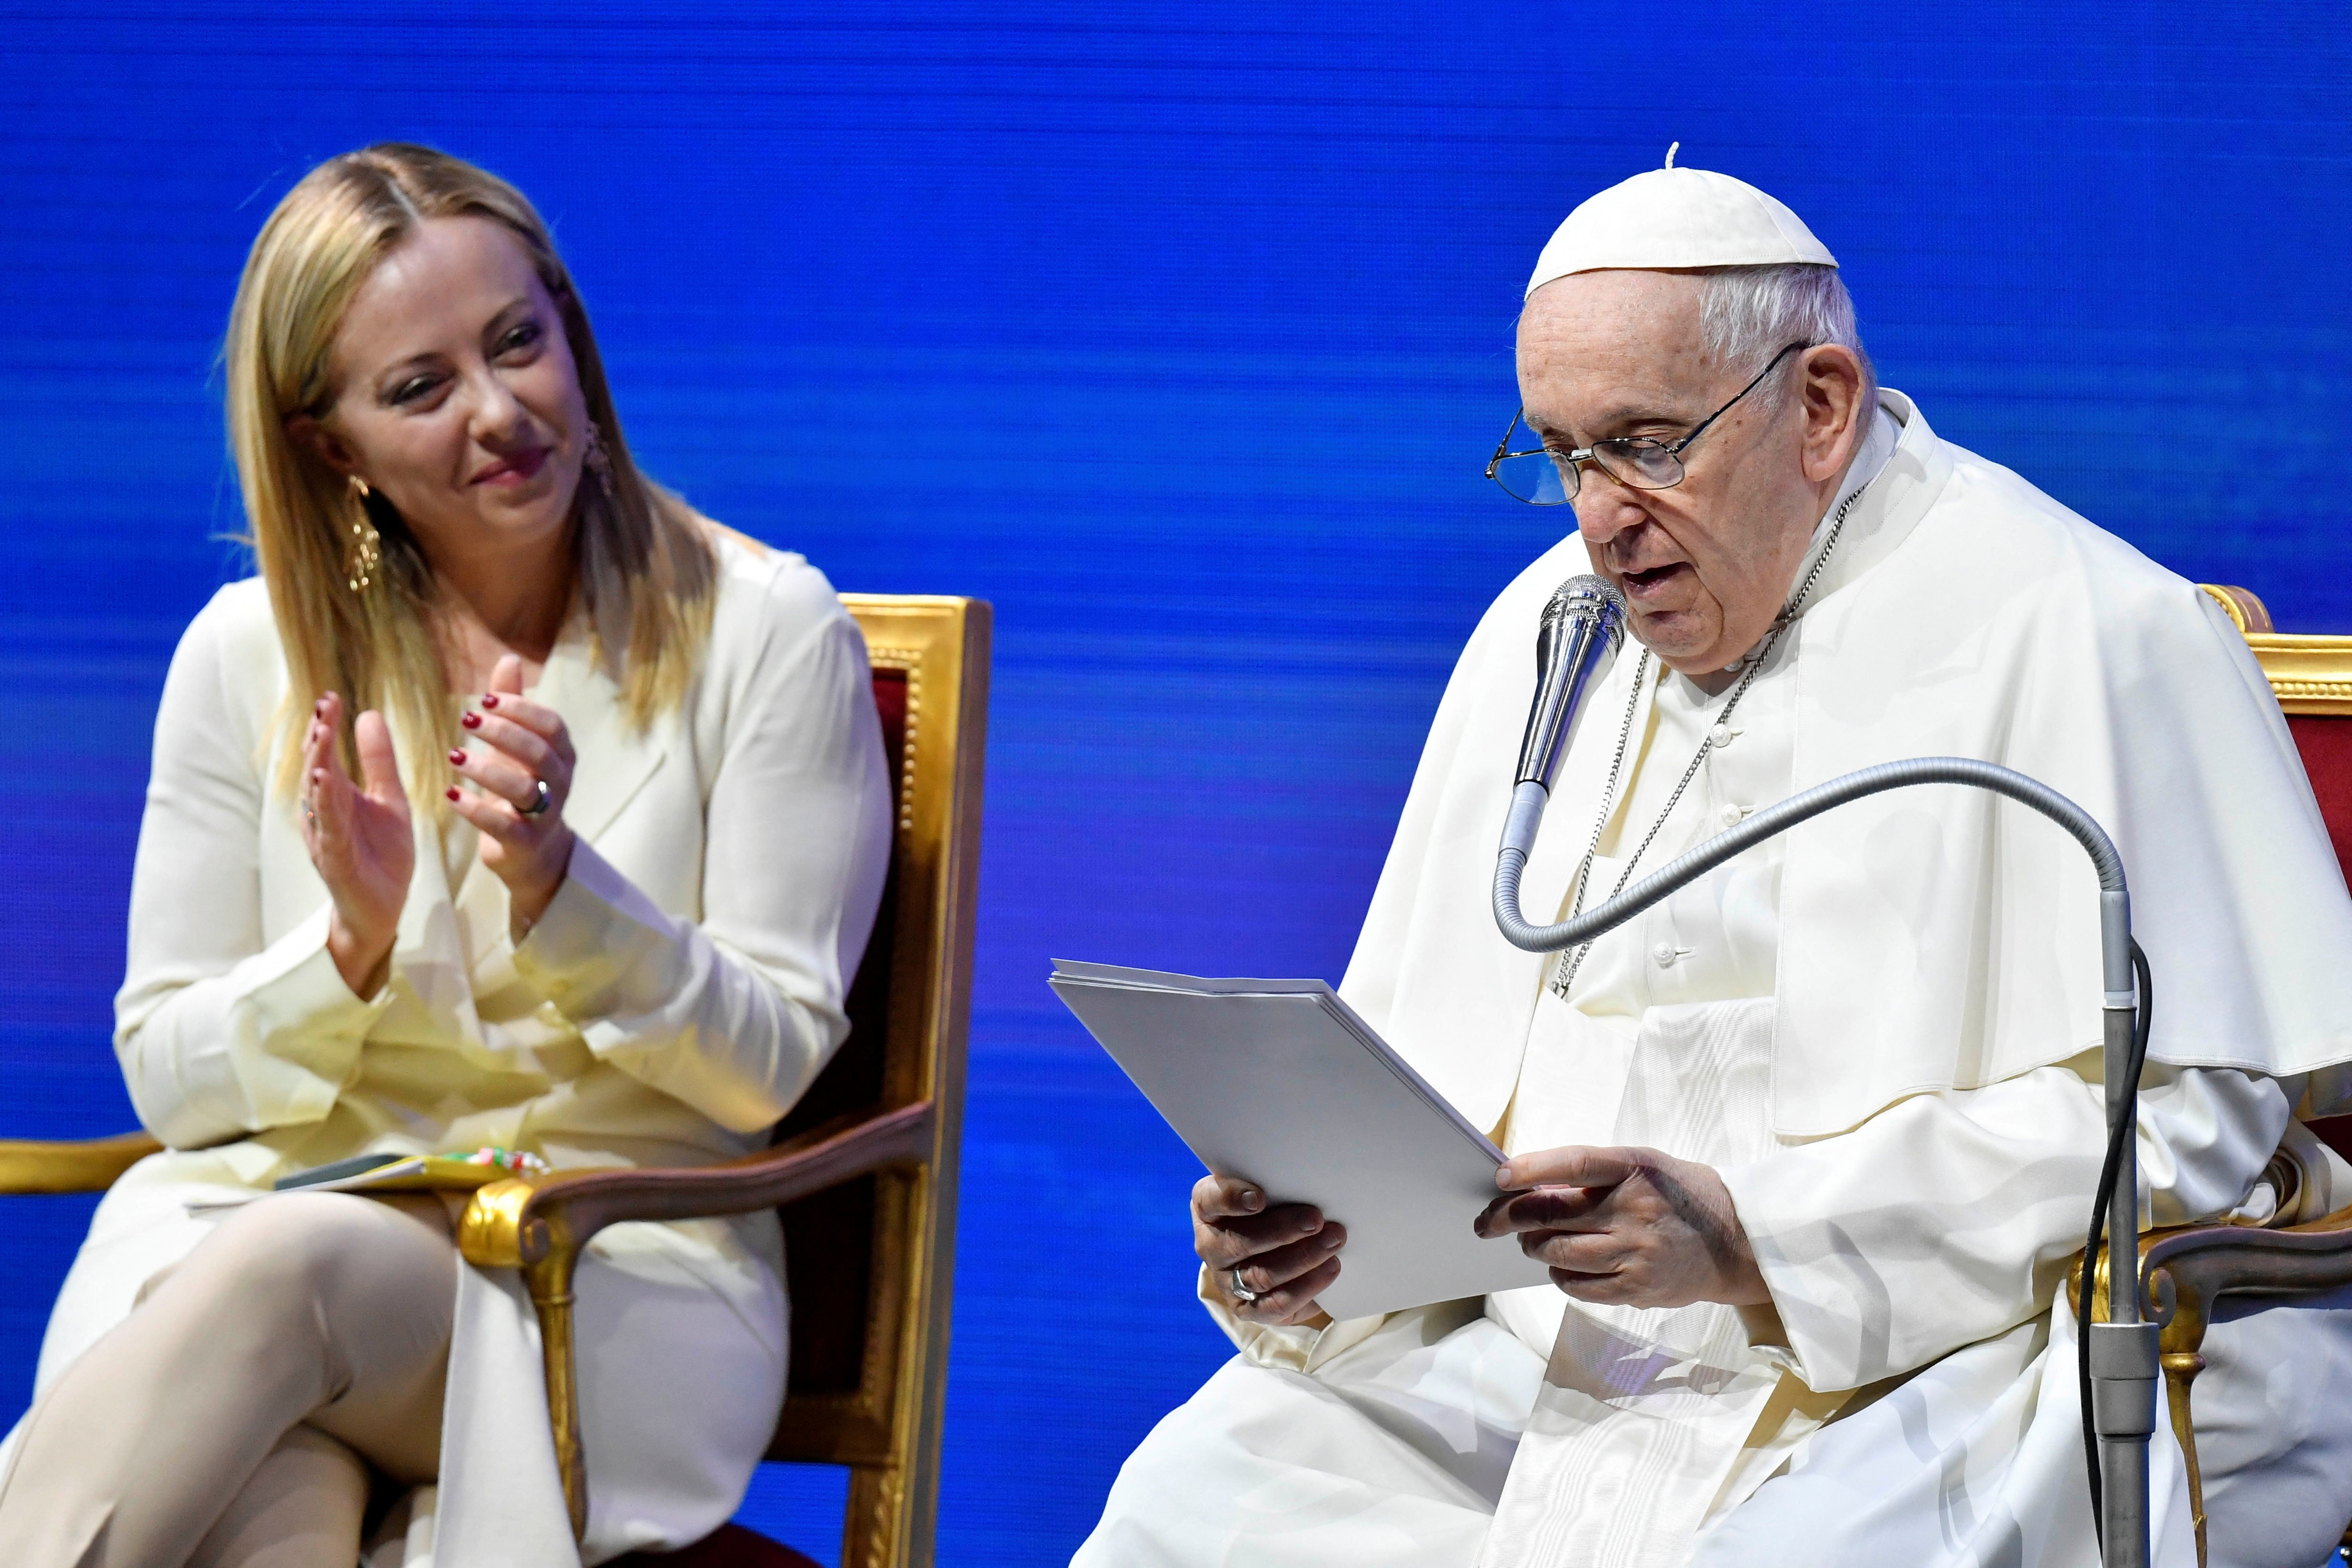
(539, 807)
(1242, 1292)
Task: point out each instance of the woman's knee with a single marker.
(331, 1252)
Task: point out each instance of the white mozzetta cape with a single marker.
(1935, 937)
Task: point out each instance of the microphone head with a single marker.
(1584, 598)
(1582, 626)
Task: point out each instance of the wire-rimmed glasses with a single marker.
(1544, 475)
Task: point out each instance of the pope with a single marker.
(1809, 1146)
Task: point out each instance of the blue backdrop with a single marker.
(1181, 332)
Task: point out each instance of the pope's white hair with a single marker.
(1748, 314)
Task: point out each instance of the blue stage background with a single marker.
(1181, 332)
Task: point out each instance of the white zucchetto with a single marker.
(1678, 217)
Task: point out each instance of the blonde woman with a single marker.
(512, 805)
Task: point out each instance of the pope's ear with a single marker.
(1830, 386)
(310, 433)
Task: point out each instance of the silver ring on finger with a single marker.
(537, 807)
(1242, 1292)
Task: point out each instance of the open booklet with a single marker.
(393, 1173)
(1280, 1084)
(402, 1173)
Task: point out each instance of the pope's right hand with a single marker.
(1286, 1255)
(360, 840)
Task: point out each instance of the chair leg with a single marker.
(2179, 1372)
(550, 1283)
(2180, 1345)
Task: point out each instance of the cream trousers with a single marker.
(234, 1418)
(680, 1329)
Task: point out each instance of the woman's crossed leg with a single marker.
(232, 1419)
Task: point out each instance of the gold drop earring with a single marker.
(365, 556)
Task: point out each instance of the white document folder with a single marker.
(1280, 1084)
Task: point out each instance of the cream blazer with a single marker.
(681, 991)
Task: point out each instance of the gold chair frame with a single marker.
(886, 1426)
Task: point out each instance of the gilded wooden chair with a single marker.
(2185, 1271)
(863, 1171)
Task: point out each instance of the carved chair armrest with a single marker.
(514, 1224)
(540, 1224)
(2185, 1270)
(31, 1165)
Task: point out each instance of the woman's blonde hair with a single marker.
(366, 627)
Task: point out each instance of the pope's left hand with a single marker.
(516, 755)
(1631, 1228)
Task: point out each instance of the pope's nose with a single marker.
(1610, 522)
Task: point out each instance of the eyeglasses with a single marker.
(1548, 477)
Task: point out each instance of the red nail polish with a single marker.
(455, 796)
(472, 721)
(456, 760)
(490, 699)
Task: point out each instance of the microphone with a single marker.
(1580, 631)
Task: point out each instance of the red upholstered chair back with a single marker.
(2312, 678)
(2326, 741)
(870, 1257)
(870, 1261)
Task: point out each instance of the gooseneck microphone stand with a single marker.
(2120, 1355)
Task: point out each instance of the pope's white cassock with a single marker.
(1882, 1029)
